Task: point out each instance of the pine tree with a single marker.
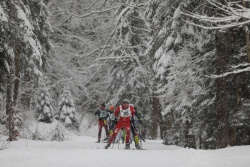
(44, 109)
(20, 47)
(178, 48)
(67, 112)
(42, 29)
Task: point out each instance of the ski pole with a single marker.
(90, 124)
(114, 141)
(119, 139)
(140, 135)
(113, 144)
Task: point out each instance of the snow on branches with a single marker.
(44, 109)
(2, 15)
(233, 11)
(66, 112)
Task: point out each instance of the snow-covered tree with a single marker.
(44, 109)
(178, 49)
(42, 29)
(130, 69)
(78, 40)
(229, 22)
(20, 47)
(67, 112)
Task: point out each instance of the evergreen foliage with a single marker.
(67, 112)
(44, 109)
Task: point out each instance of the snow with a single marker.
(178, 39)
(7, 66)
(169, 41)
(177, 13)
(79, 151)
(22, 16)
(2, 15)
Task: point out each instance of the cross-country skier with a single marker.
(135, 123)
(126, 112)
(111, 120)
(102, 122)
(138, 121)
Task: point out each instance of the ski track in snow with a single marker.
(81, 151)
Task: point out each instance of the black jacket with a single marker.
(102, 114)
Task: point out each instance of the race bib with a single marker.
(125, 113)
(103, 113)
(112, 117)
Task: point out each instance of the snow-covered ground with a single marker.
(81, 151)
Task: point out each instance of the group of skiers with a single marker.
(125, 117)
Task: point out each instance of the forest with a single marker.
(185, 64)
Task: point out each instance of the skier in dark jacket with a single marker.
(135, 123)
(102, 122)
(111, 120)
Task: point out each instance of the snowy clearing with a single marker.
(81, 151)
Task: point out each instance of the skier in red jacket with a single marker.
(126, 112)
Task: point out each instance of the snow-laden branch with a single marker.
(77, 56)
(140, 5)
(91, 5)
(91, 12)
(241, 11)
(230, 19)
(218, 27)
(114, 29)
(210, 19)
(62, 80)
(240, 65)
(229, 73)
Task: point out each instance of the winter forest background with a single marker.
(183, 63)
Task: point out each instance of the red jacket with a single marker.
(125, 114)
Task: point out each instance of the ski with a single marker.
(101, 148)
(104, 141)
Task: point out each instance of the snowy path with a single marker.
(81, 151)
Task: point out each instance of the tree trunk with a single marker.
(9, 103)
(17, 74)
(233, 136)
(239, 84)
(163, 126)
(154, 118)
(9, 90)
(246, 33)
(221, 91)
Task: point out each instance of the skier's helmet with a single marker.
(125, 101)
(111, 108)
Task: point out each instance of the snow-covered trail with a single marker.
(81, 151)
